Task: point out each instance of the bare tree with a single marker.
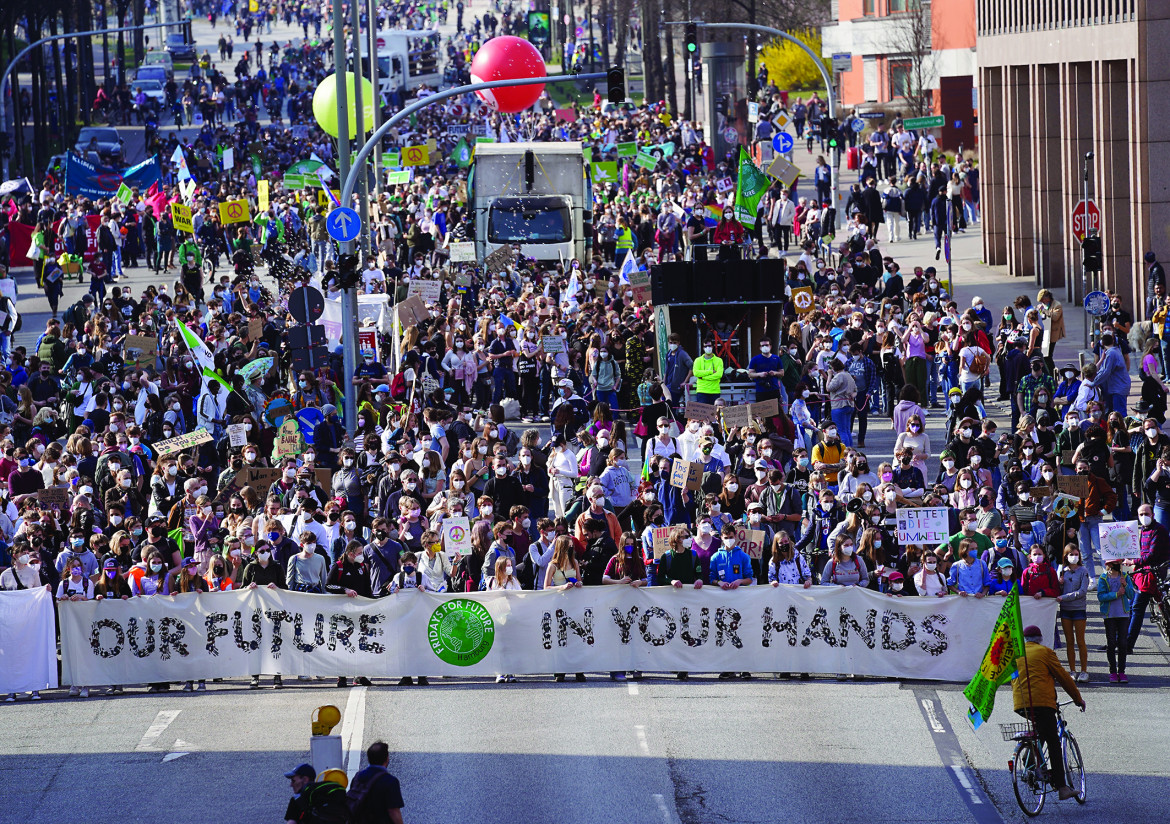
(910, 56)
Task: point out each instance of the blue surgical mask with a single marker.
(1001, 542)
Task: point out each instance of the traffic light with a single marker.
(1091, 253)
(829, 130)
(615, 80)
(347, 271)
(692, 38)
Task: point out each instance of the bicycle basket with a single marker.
(1014, 732)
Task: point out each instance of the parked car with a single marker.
(179, 48)
(156, 72)
(156, 95)
(101, 139)
(160, 58)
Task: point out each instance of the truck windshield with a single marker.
(528, 223)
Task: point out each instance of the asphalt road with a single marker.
(655, 752)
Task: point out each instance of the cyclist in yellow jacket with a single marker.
(1034, 698)
(708, 369)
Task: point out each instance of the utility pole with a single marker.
(360, 133)
(349, 295)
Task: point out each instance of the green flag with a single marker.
(462, 154)
(124, 194)
(999, 662)
(176, 535)
(750, 186)
(605, 172)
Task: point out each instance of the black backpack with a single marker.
(325, 802)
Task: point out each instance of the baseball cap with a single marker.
(1005, 562)
(755, 507)
(305, 770)
(566, 383)
(190, 560)
(109, 563)
(382, 388)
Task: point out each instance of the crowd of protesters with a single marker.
(560, 455)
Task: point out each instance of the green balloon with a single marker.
(325, 104)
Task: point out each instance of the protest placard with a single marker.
(289, 440)
(661, 538)
(929, 526)
(686, 474)
(737, 416)
(255, 329)
(750, 541)
(428, 290)
(456, 536)
(259, 478)
(55, 498)
(695, 411)
(141, 349)
(462, 252)
(180, 442)
(1120, 540)
(552, 344)
(237, 434)
(411, 311)
(766, 409)
(1075, 485)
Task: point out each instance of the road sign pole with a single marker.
(348, 296)
(359, 112)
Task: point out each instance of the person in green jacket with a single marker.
(708, 369)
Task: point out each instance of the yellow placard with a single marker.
(181, 215)
(253, 5)
(802, 300)
(415, 156)
(234, 211)
(324, 199)
(262, 194)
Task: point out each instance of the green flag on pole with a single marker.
(750, 186)
(999, 662)
(462, 154)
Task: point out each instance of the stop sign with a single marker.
(1086, 220)
(381, 42)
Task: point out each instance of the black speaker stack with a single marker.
(733, 281)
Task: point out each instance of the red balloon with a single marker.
(508, 58)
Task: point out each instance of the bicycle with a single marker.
(1160, 603)
(1029, 763)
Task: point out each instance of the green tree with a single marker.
(789, 67)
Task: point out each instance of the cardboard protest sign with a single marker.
(695, 411)
(55, 498)
(1075, 485)
(686, 474)
(499, 260)
(259, 477)
(411, 311)
(766, 409)
(736, 416)
(255, 329)
(141, 349)
(750, 540)
(462, 252)
(180, 442)
(289, 441)
(552, 344)
(428, 290)
(661, 538)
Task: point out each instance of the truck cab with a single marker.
(407, 59)
(535, 195)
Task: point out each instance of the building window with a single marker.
(897, 6)
(900, 79)
(867, 8)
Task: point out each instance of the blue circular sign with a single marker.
(782, 142)
(343, 224)
(858, 125)
(1097, 304)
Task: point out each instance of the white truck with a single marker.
(407, 59)
(537, 195)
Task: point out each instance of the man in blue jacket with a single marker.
(1112, 376)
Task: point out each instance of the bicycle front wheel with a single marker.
(1162, 618)
(1074, 767)
(1028, 778)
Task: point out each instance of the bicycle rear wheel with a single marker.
(1074, 767)
(1162, 618)
(1028, 778)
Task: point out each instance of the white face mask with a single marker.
(1145, 519)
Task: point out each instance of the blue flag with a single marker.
(86, 179)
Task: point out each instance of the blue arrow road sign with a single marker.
(343, 224)
(782, 142)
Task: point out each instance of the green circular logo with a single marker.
(461, 632)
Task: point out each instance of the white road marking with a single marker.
(632, 687)
(961, 776)
(171, 756)
(663, 808)
(643, 744)
(353, 727)
(155, 730)
(931, 717)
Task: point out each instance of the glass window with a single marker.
(900, 80)
(527, 223)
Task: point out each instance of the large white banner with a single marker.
(28, 648)
(763, 629)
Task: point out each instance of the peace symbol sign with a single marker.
(802, 301)
(416, 155)
(235, 210)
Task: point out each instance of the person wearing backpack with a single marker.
(374, 795)
(313, 801)
(892, 207)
